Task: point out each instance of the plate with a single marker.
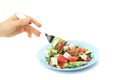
(93, 49)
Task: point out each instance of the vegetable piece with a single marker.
(55, 42)
(74, 64)
(78, 63)
(61, 59)
(89, 54)
(85, 57)
(81, 50)
(67, 55)
(60, 46)
(51, 64)
(66, 65)
(50, 52)
(73, 59)
(54, 60)
(57, 66)
(48, 59)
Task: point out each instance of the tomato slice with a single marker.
(61, 59)
(73, 59)
(81, 50)
(60, 45)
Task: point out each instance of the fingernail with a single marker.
(39, 25)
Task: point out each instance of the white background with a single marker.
(93, 21)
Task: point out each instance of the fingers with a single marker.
(30, 30)
(25, 21)
(34, 21)
(25, 24)
(35, 32)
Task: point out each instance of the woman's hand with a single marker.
(13, 26)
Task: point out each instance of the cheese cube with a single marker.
(83, 56)
(67, 55)
(54, 60)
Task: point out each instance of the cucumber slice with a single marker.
(55, 42)
(78, 63)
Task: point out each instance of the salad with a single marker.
(61, 54)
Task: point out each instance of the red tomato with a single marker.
(60, 45)
(81, 50)
(62, 67)
(49, 63)
(73, 59)
(61, 59)
(60, 64)
(88, 58)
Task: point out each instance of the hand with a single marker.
(13, 26)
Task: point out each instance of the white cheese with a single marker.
(83, 56)
(54, 60)
(67, 55)
(66, 48)
(47, 53)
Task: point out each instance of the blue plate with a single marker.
(91, 48)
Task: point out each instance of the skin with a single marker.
(14, 26)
